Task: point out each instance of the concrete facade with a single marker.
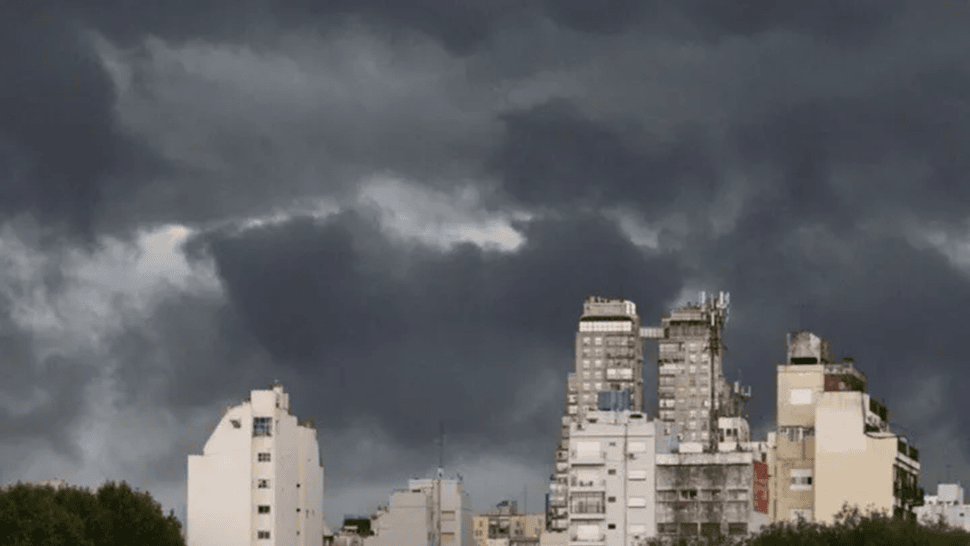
(410, 519)
(712, 494)
(692, 393)
(609, 356)
(506, 524)
(259, 479)
(611, 477)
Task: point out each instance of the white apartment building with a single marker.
(411, 517)
(611, 479)
(259, 480)
(949, 503)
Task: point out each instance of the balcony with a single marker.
(577, 484)
(587, 511)
(587, 458)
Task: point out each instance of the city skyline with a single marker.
(398, 211)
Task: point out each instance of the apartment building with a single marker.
(833, 444)
(611, 479)
(722, 493)
(609, 357)
(259, 479)
(507, 527)
(948, 504)
(411, 518)
(692, 392)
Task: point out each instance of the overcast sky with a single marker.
(398, 208)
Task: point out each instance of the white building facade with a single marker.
(611, 479)
(259, 480)
(411, 518)
(948, 503)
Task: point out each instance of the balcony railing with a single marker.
(588, 509)
(587, 483)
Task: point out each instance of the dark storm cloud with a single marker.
(416, 335)
(58, 141)
(552, 155)
(192, 350)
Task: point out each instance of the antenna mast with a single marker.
(441, 464)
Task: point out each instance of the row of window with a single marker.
(606, 326)
(611, 352)
(708, 529)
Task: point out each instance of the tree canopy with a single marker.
(115, 515)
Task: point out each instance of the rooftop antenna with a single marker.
(441, 471)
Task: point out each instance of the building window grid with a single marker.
(263, 457)
(262, 426)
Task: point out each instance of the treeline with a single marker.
(115, 515)
(850, 527)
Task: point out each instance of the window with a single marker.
(263, 509)
(611, 499)
(611, 526)
(262, 458)
(611, 472)
(448, 515)
(636, 502)
(236, 423)
(586, 363)
(262, 535)
(801, 479)
(262, 426)
(262, 483)
(599, 341)
(688, 494)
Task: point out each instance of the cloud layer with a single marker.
(398, 210)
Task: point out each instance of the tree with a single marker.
(32, 515)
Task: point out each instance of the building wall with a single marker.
(223, 493)
(406, 522)
(612, 469)
(849, 465)
(410, 517)
(804, 379)
(609, 356)
(706, 491)
(949, 503)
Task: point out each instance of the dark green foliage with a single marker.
(114, 516)
(850, 528)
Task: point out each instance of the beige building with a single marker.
(411, 518)
(508, 527)
(833, 444)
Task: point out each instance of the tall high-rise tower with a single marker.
(692, 392)
(609, 357)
